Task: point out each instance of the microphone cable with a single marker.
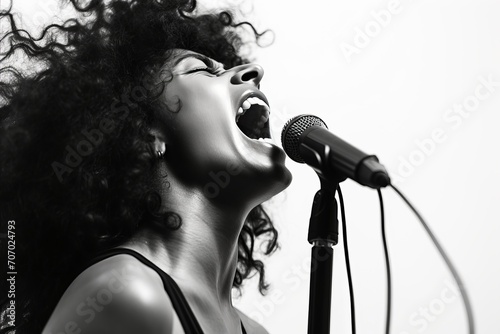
(454, 272)
(347, 262)
(348, 265)
(387, 264)
(443, 254)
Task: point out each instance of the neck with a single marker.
(202, 254)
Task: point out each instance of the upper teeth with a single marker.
(247, 104)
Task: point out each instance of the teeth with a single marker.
(246, 105)
(239, 113)
(256, 100)
(266, 140)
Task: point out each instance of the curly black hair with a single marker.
(75, 145)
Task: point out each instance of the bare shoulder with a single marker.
(251, 326)
(116, 295)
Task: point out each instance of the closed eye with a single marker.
(203, 69)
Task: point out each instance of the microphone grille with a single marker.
(292, 130)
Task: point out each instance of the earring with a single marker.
(160, 154)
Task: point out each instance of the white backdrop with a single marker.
(405, 80)
(418, 84)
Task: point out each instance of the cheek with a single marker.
(204, 126)
(202, 136)
(198, 139)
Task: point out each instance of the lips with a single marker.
(252, 117)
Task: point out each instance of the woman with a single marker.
(133, 169)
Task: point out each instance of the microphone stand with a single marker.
(323, 235)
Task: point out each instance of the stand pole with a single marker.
(323, 235)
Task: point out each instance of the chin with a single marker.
(279, 181)
(286, 178)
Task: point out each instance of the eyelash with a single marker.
(206, 69)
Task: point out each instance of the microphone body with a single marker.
(306, 139)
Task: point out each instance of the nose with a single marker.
(247, 74)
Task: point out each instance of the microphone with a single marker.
(306, 139)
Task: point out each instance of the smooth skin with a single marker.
(200, 140)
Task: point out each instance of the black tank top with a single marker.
(181, 306)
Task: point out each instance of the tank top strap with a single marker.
(186, 316)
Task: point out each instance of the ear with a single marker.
(159, 143)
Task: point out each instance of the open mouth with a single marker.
(252, 118)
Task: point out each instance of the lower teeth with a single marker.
(266, 140)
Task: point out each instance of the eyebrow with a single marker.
(206, 60)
